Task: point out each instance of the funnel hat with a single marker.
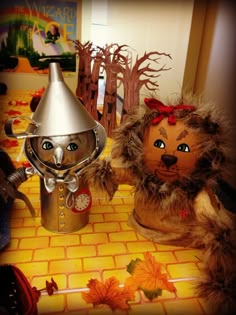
(59, 112)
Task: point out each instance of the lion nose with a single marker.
(168, 159)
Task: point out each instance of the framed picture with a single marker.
(34, 33)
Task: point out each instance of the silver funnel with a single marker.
(59, 112)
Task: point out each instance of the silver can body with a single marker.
(57, 215)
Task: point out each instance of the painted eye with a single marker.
(159, 144)
(183, 147)
(72, 146)
(47, 145)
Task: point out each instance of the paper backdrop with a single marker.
(34, 32)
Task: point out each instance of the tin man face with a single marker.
(64, 152)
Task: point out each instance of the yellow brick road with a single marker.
(100, 250)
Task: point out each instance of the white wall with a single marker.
(151, 25)
(216, 75)
(220, 71)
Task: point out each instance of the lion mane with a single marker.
(209, 226)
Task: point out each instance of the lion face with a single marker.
(170, 151)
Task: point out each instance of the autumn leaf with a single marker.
(147, 275)
(39, 92)
(8, 143)
(12, 112)
(109, 293)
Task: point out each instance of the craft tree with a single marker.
(85, 52)
(116, 61)
(134, 77)
(90, 59)
(91, 103)
(113, 58)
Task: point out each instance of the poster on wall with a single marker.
(34, 33)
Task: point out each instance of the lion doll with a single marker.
(174, 156)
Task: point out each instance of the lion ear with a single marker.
(210, 126)
(207, 124)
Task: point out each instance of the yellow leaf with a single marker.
(147, 275)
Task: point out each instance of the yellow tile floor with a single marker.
(103, 248)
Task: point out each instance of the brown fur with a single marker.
(158, 204)
(99, 176)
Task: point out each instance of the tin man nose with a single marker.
(58, 156)
(168, 159)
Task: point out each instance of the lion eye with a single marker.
(72, 146)
(47, 145)
(159, 144)
(183, 147)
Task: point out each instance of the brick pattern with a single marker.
(100, 250)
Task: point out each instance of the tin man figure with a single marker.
(61, 139)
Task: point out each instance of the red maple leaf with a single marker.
(12, 112)
(26, 164)
(22, 103)
(16, 122)
(9, 143)
(39, 92)
(109, 293)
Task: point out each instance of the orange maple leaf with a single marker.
(108, 293)
(147, 275)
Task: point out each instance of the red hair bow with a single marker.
(165, 111)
